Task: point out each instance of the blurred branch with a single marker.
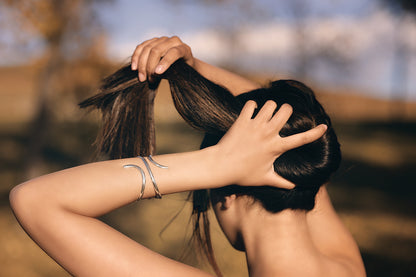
(70, 35)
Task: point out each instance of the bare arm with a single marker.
(154, 56)
(236, 84)
(58, 210)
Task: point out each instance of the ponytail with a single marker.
(127, 108)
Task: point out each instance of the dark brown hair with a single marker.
(128, 130)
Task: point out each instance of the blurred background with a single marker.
(358, 55)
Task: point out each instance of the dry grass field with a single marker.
(374, 191)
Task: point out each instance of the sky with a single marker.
(350, 43)
(347, 43)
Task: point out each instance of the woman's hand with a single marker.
(154, 56)
(250, 147)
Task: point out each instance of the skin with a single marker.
(275, 244)
(59, 210)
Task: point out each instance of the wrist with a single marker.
(202, 169)
(197, 65)
(211, 168)
(221, 166)
(189, 58)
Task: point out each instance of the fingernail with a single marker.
(142, 77)
(159, 69)
(324, 126)
(133, 66)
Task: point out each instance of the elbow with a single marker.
(25, 201)
(16, 198)
(19, 200)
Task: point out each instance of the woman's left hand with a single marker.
(250, 147)
(155, 55)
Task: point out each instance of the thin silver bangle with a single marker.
(143, 178)
(156, 163)
(157, 192)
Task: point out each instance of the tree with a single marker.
(71, 37)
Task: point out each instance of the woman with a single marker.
(58, 210)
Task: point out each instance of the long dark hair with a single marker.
(128, 130)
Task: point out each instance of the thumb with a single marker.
(297, 140)
(275, 180)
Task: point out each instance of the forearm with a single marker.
(97, 188)
(235, 83)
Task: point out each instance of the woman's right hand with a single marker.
(156, 55)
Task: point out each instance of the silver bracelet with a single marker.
(143, 178)
(152, 177)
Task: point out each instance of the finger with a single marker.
(171, 56)
(144, 56)
(157, 53)
(300, 139)
(281, 117)
(248, 110)
(171, 50)
(138, 51)
(266, 112)
(275, 180)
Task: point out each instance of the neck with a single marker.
(276, 242)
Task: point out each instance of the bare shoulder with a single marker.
(341, 267)
(333, 240)
(316, 265)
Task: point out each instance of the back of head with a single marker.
(308, 166)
